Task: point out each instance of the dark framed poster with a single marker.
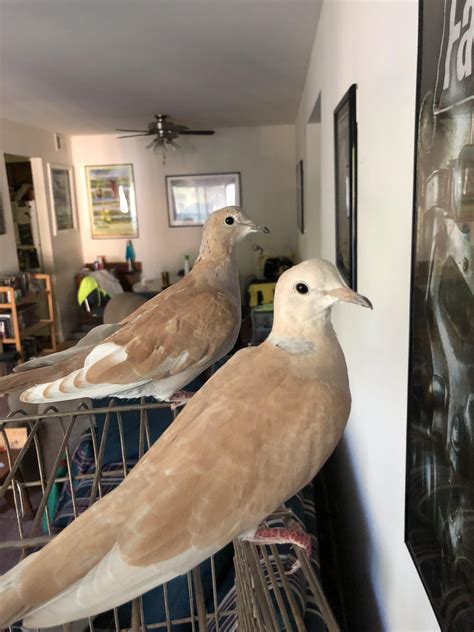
(300, 196)
(345, 167)
(3, 228)
(439, 515)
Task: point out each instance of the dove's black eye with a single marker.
(302, 288)
(229, 220)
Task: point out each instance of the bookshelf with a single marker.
(13, 304)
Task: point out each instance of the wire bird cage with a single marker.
(68, 460)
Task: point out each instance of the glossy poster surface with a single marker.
(440, 440)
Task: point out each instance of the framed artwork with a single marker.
(345, 148)
(439, 513)
(62, 198)
(3, 227)
(300, 196)
(112, 202)
(192, 198)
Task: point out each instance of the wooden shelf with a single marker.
(30, 298)
(28, 331)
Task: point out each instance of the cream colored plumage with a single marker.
(161, 346)
(256, 433)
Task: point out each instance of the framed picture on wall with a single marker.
(439, 510)
(112, 202)
(192, 198)
(62, 197)
(345, 148)
(3, 227)
(300, 196)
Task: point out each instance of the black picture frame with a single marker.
(345, 174)
(300, 196)
(3, 227)
(439, 496)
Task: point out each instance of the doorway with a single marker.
(25, 217)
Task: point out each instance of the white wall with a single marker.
(263, 155)
(62, 255)
(374, 44)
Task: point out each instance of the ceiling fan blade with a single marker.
(200, 132)
(133, 135)
(132, 130)
(174, 127)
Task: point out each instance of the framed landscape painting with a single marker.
(439, 517)
(112, 204)
(62, 197)
(345, 156)
(192, 198)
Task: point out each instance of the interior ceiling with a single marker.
(89, 66)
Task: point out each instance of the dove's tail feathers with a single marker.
(67, 380)
(71, 386)
(55, 365)
(109, 584)
(25, 379)
(12, 605)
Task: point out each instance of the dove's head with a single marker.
(225, 228)
(305, 293)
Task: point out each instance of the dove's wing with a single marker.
(94, 337)
(55, 365)
(188, 326)
(255, 434)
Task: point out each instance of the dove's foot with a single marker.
(180, 398)
(294, 534)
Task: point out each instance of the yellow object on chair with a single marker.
(266, 290)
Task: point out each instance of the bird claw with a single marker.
(180, 398)
(294, 568)
(293, 534)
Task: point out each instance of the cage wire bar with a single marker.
(264, 601)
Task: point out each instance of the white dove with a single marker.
(162, 345)
(255, 434)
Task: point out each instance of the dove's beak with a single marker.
(255, 228)
(347, 295)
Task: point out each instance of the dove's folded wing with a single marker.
(172, 334)
(94, 337)
(55, 365)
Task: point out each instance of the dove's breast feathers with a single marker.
(255, 434)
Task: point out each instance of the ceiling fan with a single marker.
(164, 132)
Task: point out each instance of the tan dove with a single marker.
(162, 345)
(255, 434)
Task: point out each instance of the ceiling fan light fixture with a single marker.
(165, 132)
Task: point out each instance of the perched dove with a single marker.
(255, 434)
(163, 344)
